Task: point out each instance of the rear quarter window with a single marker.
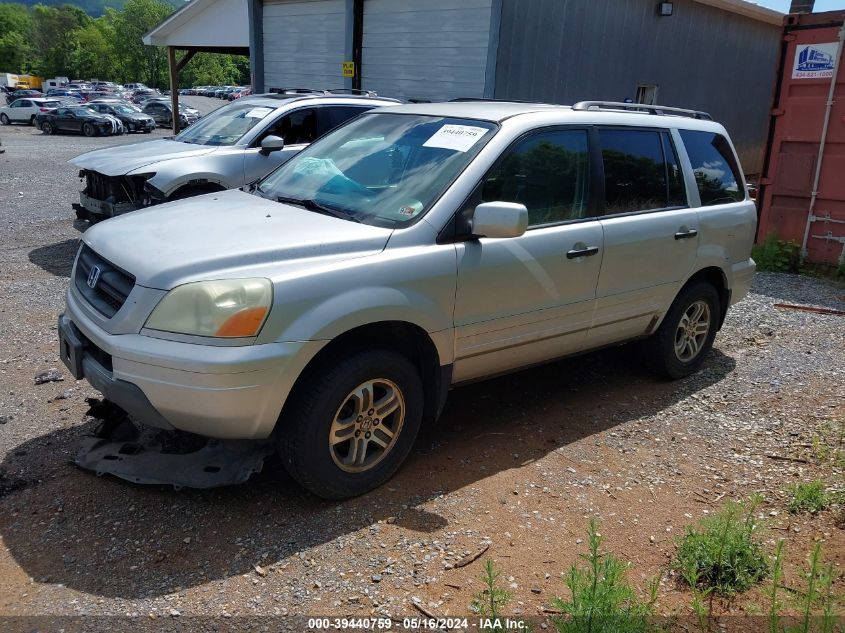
(716, 170)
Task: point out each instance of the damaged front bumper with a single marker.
(144, 455)
(108, 196)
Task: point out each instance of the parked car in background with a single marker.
(237, 93)
(79, 119)
(134, 86)
(19, 94)
(142, 94)
(108, 86)
(413, 249)
(233, 145)
(162, 112)
(24, 110)
(132, 119)
(65, 93)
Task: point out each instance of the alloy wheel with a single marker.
(692, 331)
(367, 425)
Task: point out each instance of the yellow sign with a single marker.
(348, 69)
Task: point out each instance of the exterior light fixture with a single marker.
(665, 9)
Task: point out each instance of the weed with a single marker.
(602, 600)
(828, 444)
(777, 575)
(778, 256)
(721, 553)
(490, 600)
(809, 497)
(819, 593)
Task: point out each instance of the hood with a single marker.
(121, 159)
(227, 234)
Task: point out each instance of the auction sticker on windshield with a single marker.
(456, 137)
(258, 113)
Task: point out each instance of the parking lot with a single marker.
(515, 469)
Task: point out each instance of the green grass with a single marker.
(778, 256)
(809, 497)
(721, 553)
(602, 600)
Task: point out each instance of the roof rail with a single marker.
(471, 99)
(288, 91)
(641, 107)
(353, 91)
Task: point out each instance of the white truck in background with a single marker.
(55, 82)
(9, 80)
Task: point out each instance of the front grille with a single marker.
(113, 285)
(97, 186)
(113, 189)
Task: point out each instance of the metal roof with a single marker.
(204, 23)
(748, 9)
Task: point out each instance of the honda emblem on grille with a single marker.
(93, 276)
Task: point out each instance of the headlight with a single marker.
(224, 308)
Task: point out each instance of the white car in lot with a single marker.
(25, 110)
(329, 310)
(229, 147)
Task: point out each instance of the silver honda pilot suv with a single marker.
(329, 310)
(231, 146)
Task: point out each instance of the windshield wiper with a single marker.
(313, 205)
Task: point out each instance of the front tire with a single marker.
(686, 335)
(46, 127)
(88, 130)
(352, 423)
(5, 120)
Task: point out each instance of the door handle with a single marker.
(582, 252)
(685, 234)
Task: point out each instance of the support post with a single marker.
(174, 87)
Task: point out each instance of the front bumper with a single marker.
(102, 208)
(214, 391)
(140, 125)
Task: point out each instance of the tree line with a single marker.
(64, 41)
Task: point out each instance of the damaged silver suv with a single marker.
(327, 312)
(233, 145)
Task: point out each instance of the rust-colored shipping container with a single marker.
(802, 189)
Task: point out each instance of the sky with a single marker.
(783, 5)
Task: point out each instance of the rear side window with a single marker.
(716, 171)
(330, 117)
(548, 173)
(641, 171)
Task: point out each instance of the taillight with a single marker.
(44, 109)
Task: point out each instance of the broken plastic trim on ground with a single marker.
(145, 455)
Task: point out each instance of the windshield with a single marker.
(380, 169)
(122, 109)
(225, 126)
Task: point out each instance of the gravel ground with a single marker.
(518, 464)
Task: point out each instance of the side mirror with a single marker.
(499, 219)
(272, 144)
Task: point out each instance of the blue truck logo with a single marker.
(812, 59)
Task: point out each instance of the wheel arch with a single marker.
(409, 339)
(716, 277)
(195, 188)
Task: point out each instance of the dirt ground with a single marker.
(516, 467)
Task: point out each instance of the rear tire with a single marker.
(32, 120)
(5, 120)
(685, 337)
(46, 127)
(331, 438)
(88, 130)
